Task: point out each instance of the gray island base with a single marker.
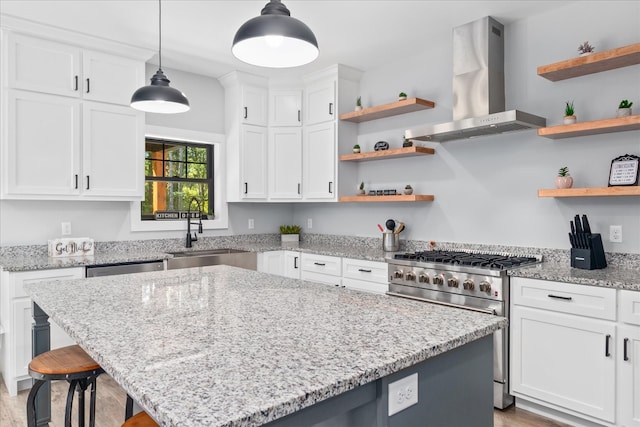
(223, 346)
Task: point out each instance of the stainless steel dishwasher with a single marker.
(124, 268)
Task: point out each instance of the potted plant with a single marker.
(408, 189)
(624, 109)
(586, 49)
(289, 233)
(402, 96)
(359, 104)
(406, 142)
(356, 148)
(564, 180)
(569, 113)
(361, 189)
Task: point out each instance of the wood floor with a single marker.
(111, 400)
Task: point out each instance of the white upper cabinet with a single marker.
(254, 105)
(110, 78)
(319, 161)
(253, 157)
(285, 163)
(320, 102)
(285, 107)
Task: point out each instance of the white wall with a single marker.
(486, 189)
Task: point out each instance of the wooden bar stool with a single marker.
(73, 365)
(141, 419)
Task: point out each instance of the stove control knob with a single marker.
(468, 284)
(411, 276)
(453, 282)
(398, 274)
(485, 286)
(423, 278)
(438, 280)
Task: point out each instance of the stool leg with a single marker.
(69, 405)
(31, 403)
(82, 386)
(128, 409)
(92, 405)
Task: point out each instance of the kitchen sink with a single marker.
(201, 258)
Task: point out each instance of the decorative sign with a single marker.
(624, 170)
(174, 215)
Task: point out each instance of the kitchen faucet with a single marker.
(193, 238)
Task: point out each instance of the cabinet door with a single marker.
(629, 375)
(110, 78)
(320, 102)
(22, 320)
(253, 158)
(43, 66)
(113, 147)
(254, 105)
(43, 144)
(319, 159)
(285, 163)
(292, 264)
(285, 108)
(562, 359)
(272, 262)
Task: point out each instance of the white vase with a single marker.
(408, 191)
(358, 108)
(402, 98)
(623, 112)
(290, 238)
(564, 182)
(568, 120)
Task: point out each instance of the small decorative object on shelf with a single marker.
(564, 180)
(356, 148)
(381, 146)
(624, 170)
(408, 190)
(359, 104)
(402, 96)
(290, 233)
(569, 116)
(586, 49)
(361, 189)
(406, 142)
(624, 109)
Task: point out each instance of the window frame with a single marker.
(220, 207)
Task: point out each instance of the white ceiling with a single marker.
(197, 35)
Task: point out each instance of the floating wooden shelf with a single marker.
(594, 63)
(387, 110)
(396, 198)
(394, 153)
(595, 127)
(590, 192)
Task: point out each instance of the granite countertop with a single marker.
(220, 345)
(609, 277)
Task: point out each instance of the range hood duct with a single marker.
(478, 88)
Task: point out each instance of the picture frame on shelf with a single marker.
(624, 171)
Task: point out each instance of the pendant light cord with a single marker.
(160, 34)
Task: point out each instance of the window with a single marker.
(181, 164)
(176, 173)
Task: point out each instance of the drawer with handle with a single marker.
(321, 264)
(583, 300)
(370, 271)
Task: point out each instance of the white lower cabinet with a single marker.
(629, 367)
(271, 262)
(321, 268)
(369, 276)
(291, 264)
(16, 319)
(568, 351)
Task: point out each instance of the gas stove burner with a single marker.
(482, 260)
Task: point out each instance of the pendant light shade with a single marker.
(158, 97)
(275, 39)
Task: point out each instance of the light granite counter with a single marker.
(223, 346)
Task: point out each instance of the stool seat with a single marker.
(61, 361)
(141, 419)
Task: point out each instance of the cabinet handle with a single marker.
(331, 108)
(88, 85)
(295, 262)
(298, 188)
(299, 116)
(88, 186)
(606, 345)
(330, 187)
(364, 271)
(76, 79)
(246, 188)
(321, 264)
(625, 349)
(559, 297)
(76, 176)
(245, 112)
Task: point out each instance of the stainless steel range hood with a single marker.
(478, 88)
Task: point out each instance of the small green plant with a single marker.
(402, 94)
(356, 147)
(568, 109)
(625, 104)
(362, 186)
(585, 48)
(290, 229)
(564, 171)
(359, 101)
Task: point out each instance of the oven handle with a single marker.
(481, 310)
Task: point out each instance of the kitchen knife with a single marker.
(576, 220)
(573, 228)
(585, 224)
(579, 242)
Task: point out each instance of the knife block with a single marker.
(592, 258)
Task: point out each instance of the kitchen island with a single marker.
(223, 346)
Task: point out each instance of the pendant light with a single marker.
(275, 39)
(158, 97)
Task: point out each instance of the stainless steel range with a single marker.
(466, 279)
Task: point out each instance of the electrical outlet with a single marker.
(309, 223)
(251, 224)
(66, 228)
(403, 393)
(615, 233)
